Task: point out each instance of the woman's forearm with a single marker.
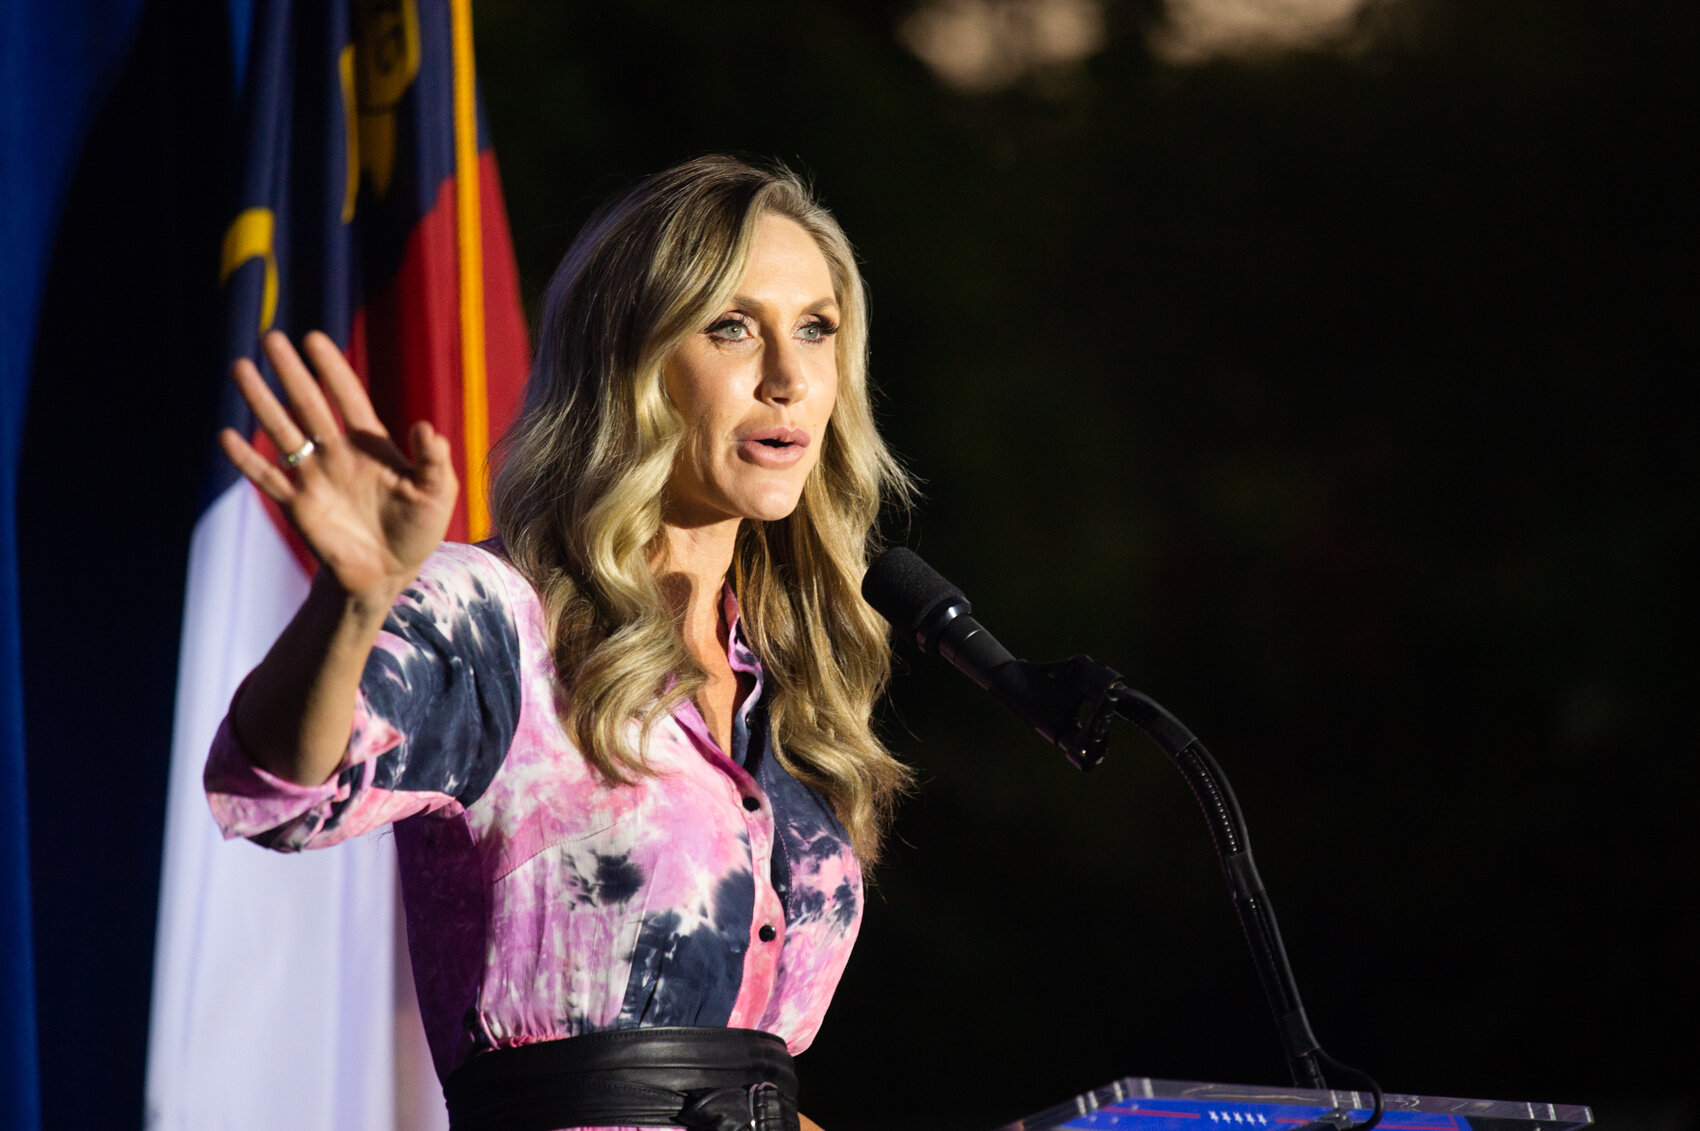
(296, 709)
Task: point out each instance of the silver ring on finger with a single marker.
(299, 455)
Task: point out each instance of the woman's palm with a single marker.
(369, 513)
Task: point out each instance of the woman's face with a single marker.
(756, 386)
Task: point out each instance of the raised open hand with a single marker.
(369, 513)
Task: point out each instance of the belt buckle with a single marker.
(767, 1107)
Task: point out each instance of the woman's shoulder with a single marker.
(474, 586)
(467, 573)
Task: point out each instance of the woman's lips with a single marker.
(773, 447)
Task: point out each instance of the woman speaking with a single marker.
(625, 744)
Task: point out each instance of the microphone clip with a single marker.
(1090, 689)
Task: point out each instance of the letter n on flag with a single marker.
(370, 208)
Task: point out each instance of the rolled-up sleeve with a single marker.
(436, 712)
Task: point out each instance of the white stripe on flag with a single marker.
(280, 993)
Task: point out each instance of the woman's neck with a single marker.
(692, 574)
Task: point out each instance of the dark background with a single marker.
(1333, 396)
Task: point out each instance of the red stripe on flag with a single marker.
(413, 329)
(413, 337)
(507, 343)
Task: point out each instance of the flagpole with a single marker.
(469, 230)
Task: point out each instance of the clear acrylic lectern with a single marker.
(1137, 1104)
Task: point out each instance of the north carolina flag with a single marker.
(370, 208)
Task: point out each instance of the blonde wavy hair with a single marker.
(578, 497)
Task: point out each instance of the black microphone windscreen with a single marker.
(904, 589)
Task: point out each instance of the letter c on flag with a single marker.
(248, 237)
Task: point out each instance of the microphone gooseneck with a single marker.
(1071, 704)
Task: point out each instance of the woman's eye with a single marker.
(729, 330)
(817, 331)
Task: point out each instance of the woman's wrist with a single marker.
(364, 610)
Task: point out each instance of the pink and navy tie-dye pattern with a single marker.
(541, 901)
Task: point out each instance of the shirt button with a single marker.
(751, 804)
(767, 932)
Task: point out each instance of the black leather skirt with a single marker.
(700, 1079)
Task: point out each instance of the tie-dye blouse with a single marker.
(541, 901)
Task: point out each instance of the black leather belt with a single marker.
(700, 1079)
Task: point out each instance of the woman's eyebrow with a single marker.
(756, 306)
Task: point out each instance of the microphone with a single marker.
(935, 615)
(922, 606)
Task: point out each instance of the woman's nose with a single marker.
(785, 378)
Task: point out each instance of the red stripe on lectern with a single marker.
(1117, 1109)
(1402, 1126)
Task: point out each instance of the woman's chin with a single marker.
(772, 510)
(766, 502)
(766, 507)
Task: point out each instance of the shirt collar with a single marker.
(738, 652)
(741, 658)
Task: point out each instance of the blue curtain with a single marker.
(56, 60)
